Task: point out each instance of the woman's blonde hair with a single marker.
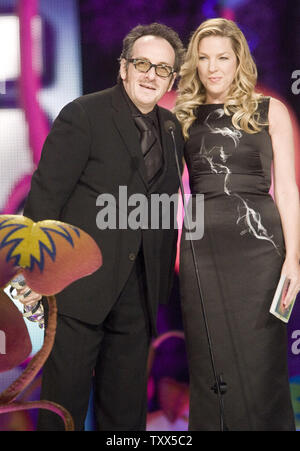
(241, 100)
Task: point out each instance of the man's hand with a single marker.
(27, 296)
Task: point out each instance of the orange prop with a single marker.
(15, 342)
(50, 255)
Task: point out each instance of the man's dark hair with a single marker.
(159, 30)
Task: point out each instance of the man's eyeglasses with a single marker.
(162, 70)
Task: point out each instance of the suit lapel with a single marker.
(128, 131)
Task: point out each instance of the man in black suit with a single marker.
(99, 144)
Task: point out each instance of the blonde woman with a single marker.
(232, 135)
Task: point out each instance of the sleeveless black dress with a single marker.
(239, 259)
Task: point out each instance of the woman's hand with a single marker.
(291, 269)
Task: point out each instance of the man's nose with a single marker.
(151, 73)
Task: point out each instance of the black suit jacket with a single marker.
(93, 148)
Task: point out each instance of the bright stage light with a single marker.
(9, 48)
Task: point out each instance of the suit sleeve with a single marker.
(64, 157)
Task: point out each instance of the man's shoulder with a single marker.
(166, 112)
(96, 98)
(168, 115)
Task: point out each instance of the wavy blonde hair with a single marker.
(241, 100)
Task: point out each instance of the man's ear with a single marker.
(123, 69)
(173, 78)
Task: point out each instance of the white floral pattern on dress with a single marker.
(251, 218)
(231, 132)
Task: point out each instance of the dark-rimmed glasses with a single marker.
(162, 70)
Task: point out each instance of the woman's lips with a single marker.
(214, 79)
